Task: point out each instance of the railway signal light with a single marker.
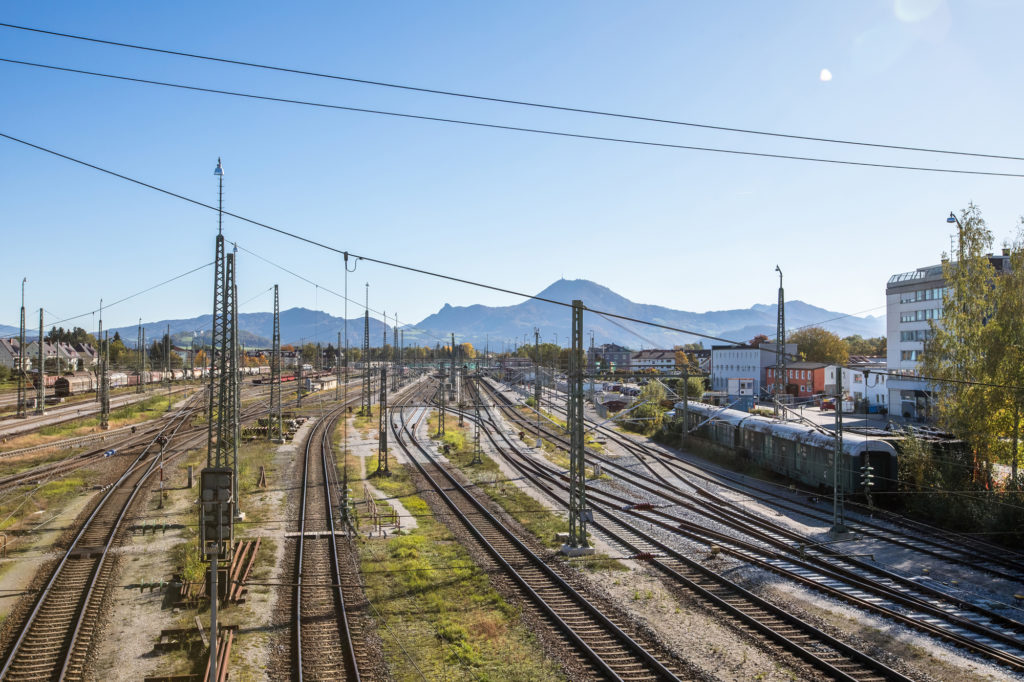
(216, 507)
(867, 478)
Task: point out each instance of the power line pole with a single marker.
(167, 365)
(337, 369)
(780, 348)
(145, 353)
(394, 357)
(382, 437)
(536, 379)
(275, 418)
(105, 385)
(41, 388)
(22, 389)
(367, 398)
(138, 349)
(838, 510)
(99, 341)
(217, 486)
(579, 514)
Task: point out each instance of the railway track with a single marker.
(775, 627)
(954, 548)
(327, 644)
(909, 602)
(602, 644)
(54, 641)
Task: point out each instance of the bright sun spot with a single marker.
(825, 75)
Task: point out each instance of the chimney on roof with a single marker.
(1006, 252)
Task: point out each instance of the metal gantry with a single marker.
(578, 511)
(275, 420)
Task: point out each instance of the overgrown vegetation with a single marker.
(938, 484)
(439, 608)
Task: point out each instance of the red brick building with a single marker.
(803, 379)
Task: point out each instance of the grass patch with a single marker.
(534, 516)
(441, 605)
(26, 502)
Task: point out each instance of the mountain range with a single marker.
(503, 325)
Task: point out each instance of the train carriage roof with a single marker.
(853, 443)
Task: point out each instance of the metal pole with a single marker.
(536, 380)
(780, 348)
(838, 513)
(213, 613)
(41, 389)
(686, 405)
(22, 389)
(578, 512)
(99, 341)
(167, 365)
(104, 391)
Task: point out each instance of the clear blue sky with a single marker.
(685, 229)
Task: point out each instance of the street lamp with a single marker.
(960, 234)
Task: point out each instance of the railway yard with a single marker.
(437, 557)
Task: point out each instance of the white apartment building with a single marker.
(663, 361)
(744, 362)
(913, 301)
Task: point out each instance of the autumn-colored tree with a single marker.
(758, 340)
(815, 344)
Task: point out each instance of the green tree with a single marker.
(815, 344)
(648, 417)
(959, 348)
(1004, 346)
(873, 347)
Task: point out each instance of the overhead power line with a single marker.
(516, 102)
(438, 275)
(108, 306)
(519, 129)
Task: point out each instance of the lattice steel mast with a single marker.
(213, 458)
(578, 512)
(41, 388)
(22, 389)
(367, 398)
(382, 438)
(275, 420)
(105, 384)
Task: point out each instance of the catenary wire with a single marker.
(521, 129)
(516, 102)
(438, 275)
(137, 293)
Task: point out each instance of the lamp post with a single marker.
(960, 234)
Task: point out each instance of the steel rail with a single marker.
(949, 634)
(549, 574)
(45, 592)
(531, 470)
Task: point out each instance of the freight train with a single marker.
(85, 382)
(798, 451)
